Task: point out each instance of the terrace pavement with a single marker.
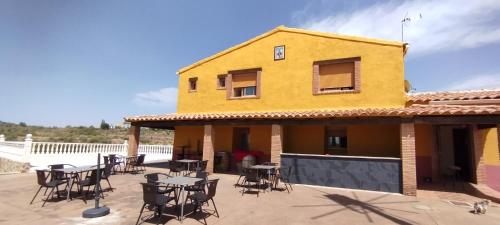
(304, 205)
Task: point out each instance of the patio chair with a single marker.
(107, 173)
(90, 180)
(243, 172)
(283, 177)
(153, 178)
(132, 162)
(200, 198)
(200, 185)
(175, 168)
(202, 165)
(59, 175)
(140, 162)
(42, 181)
(106, 160)
(153, 199)
(115, 162)
(271, 175)
(252, 176)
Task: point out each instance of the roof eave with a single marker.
(291, 30)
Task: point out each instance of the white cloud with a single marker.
(162, 97)
(488, 81)
(445, 25)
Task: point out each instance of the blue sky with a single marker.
(77, 62)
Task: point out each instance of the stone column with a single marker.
(2, 138)
(478, 138)
(208, 147)
(134, 134)
(408, 159)
(276, 143)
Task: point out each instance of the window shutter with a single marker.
(244, 80)
(336, 75)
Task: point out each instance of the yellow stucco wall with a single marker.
(424, 138)
(304, 139)
(491, 152)
(382, 76)
(362, 140)
(188, 136)
(373, 140)
(223, 138)
(260, 137)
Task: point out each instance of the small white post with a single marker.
(27, 147)
(125, 147)
(2, 138)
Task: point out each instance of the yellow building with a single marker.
(334, 108)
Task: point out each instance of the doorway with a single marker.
(241, 138)
(462, 152)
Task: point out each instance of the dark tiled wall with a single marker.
(357, 173)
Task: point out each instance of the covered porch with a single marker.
(385, 150)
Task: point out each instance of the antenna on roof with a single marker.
(406, 19)
(403, 23)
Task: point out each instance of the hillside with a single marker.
(81, 134)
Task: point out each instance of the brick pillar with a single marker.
(208, 147)
(134, 133)
(408, 160)
(276, 143)
(478, 138)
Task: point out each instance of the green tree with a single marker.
(23, 124)
(104, 125)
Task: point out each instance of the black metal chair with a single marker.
(271, 175)
(106, 160)
(153, 199)
(283, 176)
(132, 164)
(140, 162)
(42, 181)
(90, 180)
(243, 172)
(137, 163)
(175, 168)
(200, 198)
(115, 162)
(202, 165)
(153, 178)
(251, 176)
(107, 173)
(200, 185)
(58, 174)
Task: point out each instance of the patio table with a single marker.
(181, 182)
(75, 171)
(265, 167)
(188, 162)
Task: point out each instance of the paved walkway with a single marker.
(305, 205)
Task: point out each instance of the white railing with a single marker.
(41, 154)
(15, 144)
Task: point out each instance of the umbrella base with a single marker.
(95, 212)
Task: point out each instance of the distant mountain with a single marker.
(81, 134)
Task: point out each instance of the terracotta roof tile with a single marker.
(413, 110)
(453, 95)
